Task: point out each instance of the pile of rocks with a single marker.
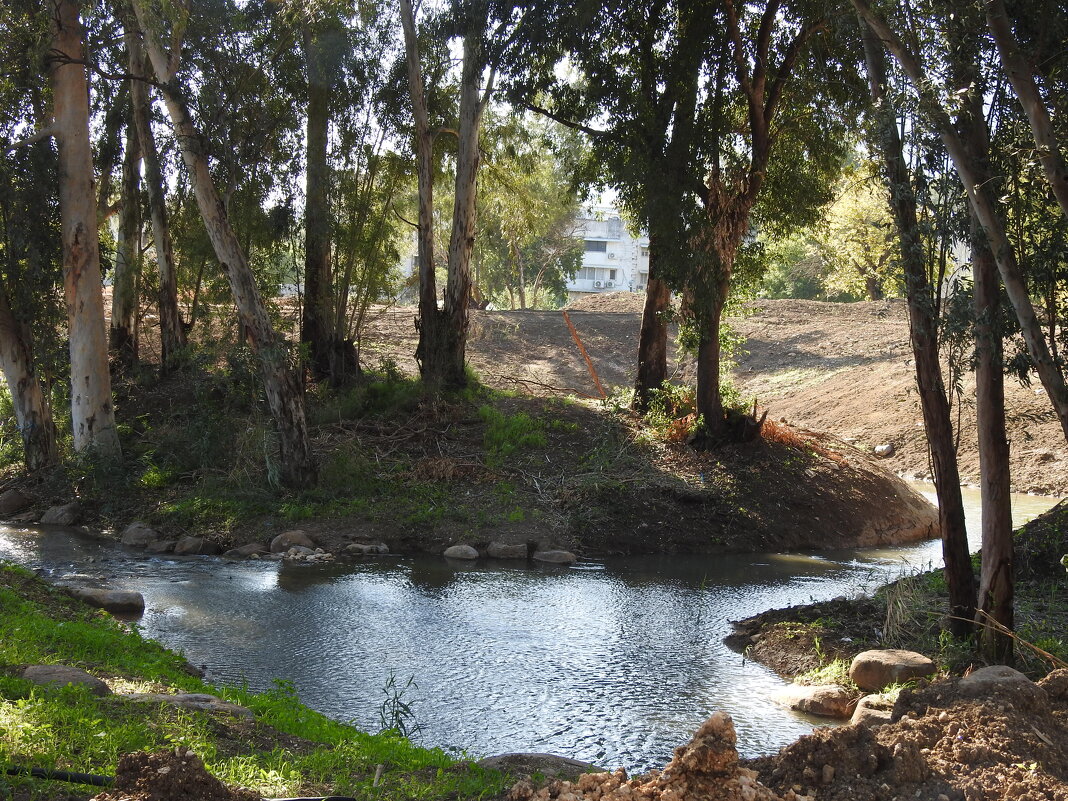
(501, 550)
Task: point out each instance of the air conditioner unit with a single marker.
(641, 287)
(596, 284)
(609, 284)
(611, 255)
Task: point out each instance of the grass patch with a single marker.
(286, 750)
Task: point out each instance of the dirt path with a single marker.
(842, 368)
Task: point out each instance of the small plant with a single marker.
(507, 434)
(396, 715)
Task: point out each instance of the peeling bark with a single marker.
(32, 413)
(282, 384)
(92, 410)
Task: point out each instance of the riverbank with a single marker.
(910, 614)
(406, 474)
(268, 743)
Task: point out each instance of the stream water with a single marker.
(615, 662)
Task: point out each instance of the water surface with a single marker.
(615, 662)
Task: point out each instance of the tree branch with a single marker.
(576, 126)
(37, 136)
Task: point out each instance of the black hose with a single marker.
(107, 781)
(62, 776)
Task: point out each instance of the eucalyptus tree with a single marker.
(127, 265)
(479, 25)
(700, 112)
(528, 214)
(923, 335)
(284, 389)
(980, 185)
(92, 408)
(30, 255)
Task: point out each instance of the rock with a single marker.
(161, 546)
(873, 710)
(138, 535)
(1056, 684)
(554, 557)
(69, 514)
(195, 545)
(62, 675)
(990, 680)
(200, 701)
(873, 670)
(499, 550)
(884, 451)
(247, 551)
(13, 501)
(828, 700)
(127, 601)
(367, 549)
(287, 539)
(460, 552)
(548, 765)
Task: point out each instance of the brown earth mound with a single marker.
(1012, 743)
(944, 744)
(844, 368)
(169, 776)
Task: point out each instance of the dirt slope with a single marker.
(842, 368)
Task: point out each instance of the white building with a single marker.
(613, 261)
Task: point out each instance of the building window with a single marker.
(611, 275)
(645, 251)
(596, 246)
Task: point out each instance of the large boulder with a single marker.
(252, 549)
(367, 548)
(827, 700)
(555, 557)
(138, 535)
(873, 670)
(1000, 679)
(124, 601)
(68, 514)
(460, 552)
(13, 501)
(499, 550)
(289, 539)
(161, 546)
(62, 675)
(195, 545)
(549, 765)
(873, 710)
(199, 701)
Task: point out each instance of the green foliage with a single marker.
(10, 437)
(508, 434)
(396, 714)
(387, 395)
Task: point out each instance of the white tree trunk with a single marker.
(92, 409)
(32, 413)
(285, 393)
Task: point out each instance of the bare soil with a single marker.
(841, 368)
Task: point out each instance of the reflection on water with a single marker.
(615, 662)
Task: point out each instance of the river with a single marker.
(614, 661)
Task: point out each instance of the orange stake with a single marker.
(585, 355)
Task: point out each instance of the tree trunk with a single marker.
(315, 329)
(284, 390)
(978, 183)
(92, 408)
(127, 276)
(996, 577)
(923, 336)
(429, 352)
(652, 339)
(32, 413)
(709, 403)
(172, 330)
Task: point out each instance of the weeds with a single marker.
(507, 434)
(395, 715)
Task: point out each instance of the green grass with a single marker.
(70, 729)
